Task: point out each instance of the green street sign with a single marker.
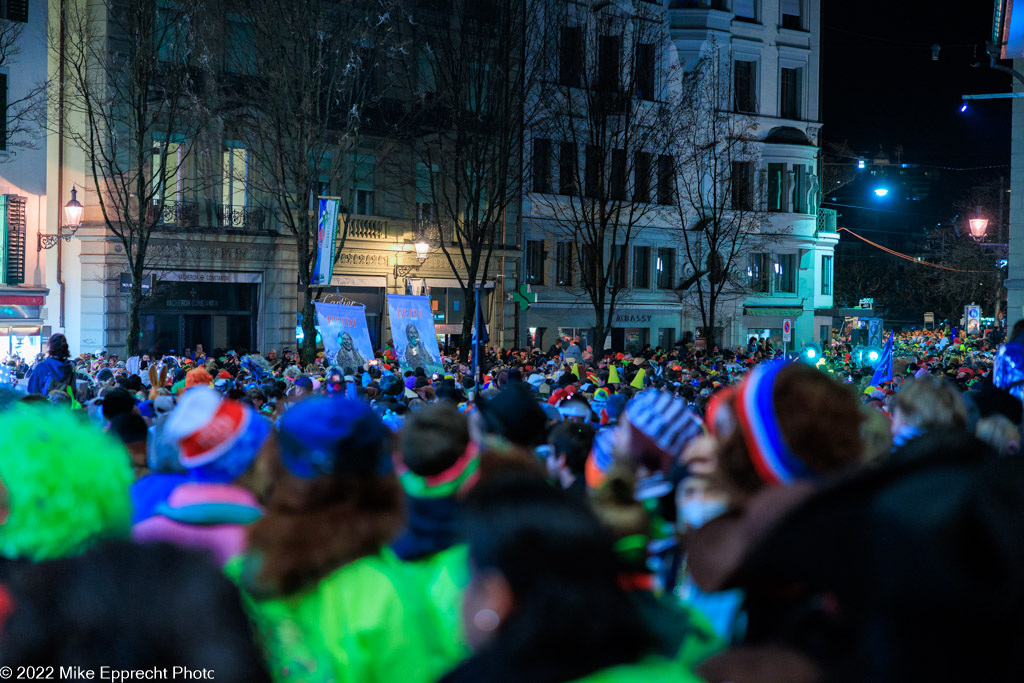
(524, 297)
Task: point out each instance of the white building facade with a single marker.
(772, 51)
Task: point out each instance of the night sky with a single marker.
(880, 85)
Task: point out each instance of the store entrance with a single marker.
(173, 318)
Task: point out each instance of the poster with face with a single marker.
(345, 335)
(412, 331)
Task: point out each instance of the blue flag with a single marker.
(883, 371)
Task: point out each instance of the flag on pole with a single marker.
(479, 332)
(883, 371)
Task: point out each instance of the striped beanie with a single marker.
(665, 425)
(755, 415)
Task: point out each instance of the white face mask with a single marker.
(697, 513)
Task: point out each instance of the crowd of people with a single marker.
(675, 514)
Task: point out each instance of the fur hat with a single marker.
(68, 484)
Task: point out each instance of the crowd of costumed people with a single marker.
(674, 514)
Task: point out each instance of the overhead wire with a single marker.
(912, 259)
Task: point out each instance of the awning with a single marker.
(773, 312)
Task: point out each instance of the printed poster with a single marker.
(412, 333)
(326, 240)
(345, 335)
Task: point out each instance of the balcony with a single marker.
(826, 220)
(240, 218)
(367, 228)
(177, 214)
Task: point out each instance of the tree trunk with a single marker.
(308, 329)
(134, 338)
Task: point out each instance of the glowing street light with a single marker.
(881, 191)
(978, 226)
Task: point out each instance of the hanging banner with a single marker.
(345, 335)
(326, 240)
(412, 333)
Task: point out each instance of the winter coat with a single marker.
(366, 622)
(50, 374)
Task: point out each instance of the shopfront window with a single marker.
(218, 315)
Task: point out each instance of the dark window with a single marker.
(618, 175)
(3, 112)
(541, 165)
(666, 267)
(645, 71)
(790, 94)
(608, 56)
(571, 62)
(666, 179)
(590, 266)
(743, 185)
(16, 10)
(801, 187)
(642, 267)
(826, 275)
(759, 273)
(785, 273)
(791, 15)
(775, 199)
(745, 9)
(642, 177)
(745, 86)
(620, 267)
(595, 172)
(567, 181)
(535, 262)
(564, 264)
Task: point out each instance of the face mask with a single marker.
(697, 513)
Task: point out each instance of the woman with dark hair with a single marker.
(544, 604)
(330, 600)
(55, 372)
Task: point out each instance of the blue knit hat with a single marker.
(325, 436)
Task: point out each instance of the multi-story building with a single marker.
(769, 50)
(772, 50)
(23, 189)
(222, 269)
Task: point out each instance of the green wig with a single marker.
(67, 484)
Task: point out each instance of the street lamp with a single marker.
(422, 249)
(72, 221)
(881, 191)
(978, 226)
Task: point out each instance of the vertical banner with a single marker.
(345, 335)
(412, 333)
(326, 240)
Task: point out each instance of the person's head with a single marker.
(513, 415)
(1000, 433)
(151, 597)
(928, 402)
(117, 402)
(57, 347)
(438, 452)
(412, 334)
(544, 582)
(63, 484)
(571, 443)
(333, 498)
(131, 430)
(785, 422)
(219, 440)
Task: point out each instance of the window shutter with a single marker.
(14, 227)
(17, 10)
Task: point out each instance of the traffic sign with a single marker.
(787, 330)
(972, 314)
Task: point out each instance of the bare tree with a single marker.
(716, 195)
(130, 101)
(467, 72)
(313, 90)
(601, 108)
(839, 165)
(20, 126)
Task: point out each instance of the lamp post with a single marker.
(72, 221)
(422, 248)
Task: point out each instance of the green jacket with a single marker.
(650, 670)
(443, 577)
(366, 622)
